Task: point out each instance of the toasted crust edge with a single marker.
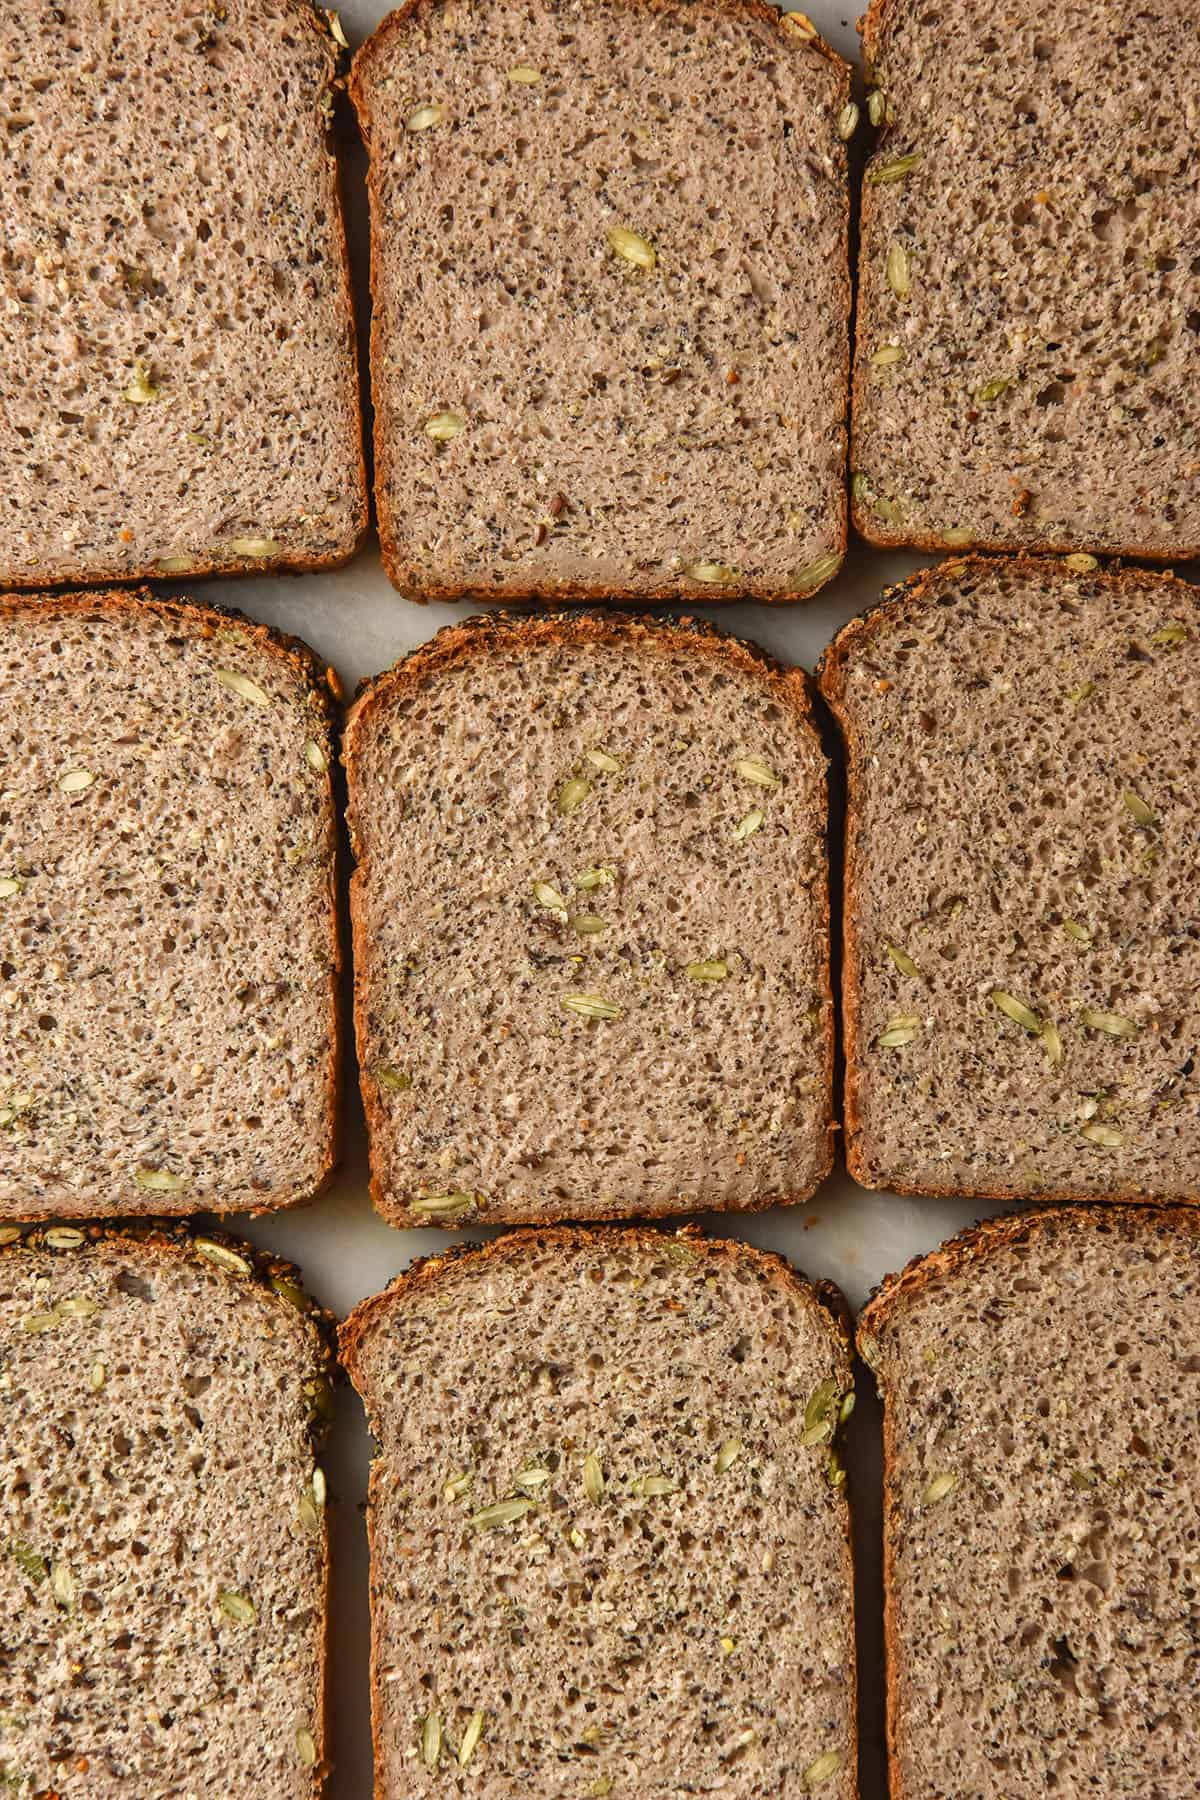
(175, 1241)
(958, 1255)
(824, 1297)
(402, 577)
(323, 685)
(899, 603)
(450, 650)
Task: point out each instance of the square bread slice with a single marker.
(590, 924)
(168, 916)
(1041, 1378)
(178, 390)
(1021, 987)
(164, 1564)
(1027, 370)
(610, 348)
(609, 1534)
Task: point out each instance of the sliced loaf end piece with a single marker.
(591, 924)
(1039, 1377)
(167, 910)
(165, 1560)
(619, 1490)
(1028, 293)
(1020, 967)
(631, 384)
(201, 415)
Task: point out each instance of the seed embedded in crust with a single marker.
(992, 390)
(589, 924)
(876, 106)
(64, 1237)
(243, 687)
(653, 1487)
(1015, 1009)
(1081, 562)
(604, 876)
(712, 573)
(798, 25)
(550, 898)
(222, 1256)
(632, 247)
(1080, 933)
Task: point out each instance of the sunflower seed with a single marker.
(652, 1487)
(550, 898)
(1052, 1041)
(431, 1739)
(589, 924)
(1083, 692)
(395, 1081)
(1106, 1136)
(601, 759)
(604, 876)
(457, 1486)
(173, 565)
(901, 1029)
(1114, 1024)
(141, 390)
(728, 1454)
(78, 1306)
(471, 1737)
(633, 248)
(97, 1376)
(1136, 807)
(822, 1768)
(847, 121)
(590, 1006)
(314, 756)
(63, 1583)
(306, 1748)
(593, 1479)
(896, 170)
(76, 780)
(525, 76)
(938, 1488)
(992, 390)
(572, 795)
(956, 535)
(751, 769)
(713, 970)
(240, 684)
(898, 269)
(10, 885)
(256, 548)
(432, 113)
(443, 426)
(236, 1607)
(747, 826)
(502, 1512)
(1080, 933)
(1015, 1009)
(875, 106)
(887, 356)
(847, 1406)
(160, 1181)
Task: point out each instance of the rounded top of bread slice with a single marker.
(160, 1399)
(604, 838)
(166, 896)
(606, 1515)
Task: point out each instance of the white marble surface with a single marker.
(359, 623)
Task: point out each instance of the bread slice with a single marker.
(164, 1563)
(1027, 370)
(168, 924)
(609, 347)
(1039, 1378)
(1022, 976)
(590, 922)
(609, 1535)
(178, 389)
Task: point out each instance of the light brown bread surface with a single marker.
(1022, 978)
(609, 1536)
(591, 924)
(609, 349)
(1027, 371)
(178, 391)
(163, 1566)
(168, 932)
(1040, 1380)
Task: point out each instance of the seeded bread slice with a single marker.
(609, 1535)
(168, 924)
(1040, 1378)
(1022, 975)
(591, 924)
(178, 392)
(1027, 371)
(164, 1568)
(602, 369)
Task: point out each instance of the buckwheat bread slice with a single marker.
(1039, 1377)
(591, 924)
(609, 1534)
(610, 342)
(165, 1560)
(1027, 370)
(1021, 985)
(178, 393)
(168, 926)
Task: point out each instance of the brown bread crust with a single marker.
(391, 532)
(168, 1238)
(323, 684)
(455, 646)
(426, 1272)
(956, 1257)
(900, 603)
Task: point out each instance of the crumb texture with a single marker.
(590, 921)
(1041, 1512)
(177, 386)
(167, 918)
(1028, 366)
(163, 1600)
(600, 366)
(1023, 971)
(595, 1529)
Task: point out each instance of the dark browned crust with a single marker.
(680, 591)
(313, 19)
(863, 517)
(899, 603)
(325, 691)
(958, 1256)
(426, 1272)
(167, 1238)
(453, 648)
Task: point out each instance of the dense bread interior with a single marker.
(166, 912)
(162, 1570)
(590, 925)
(1023, 968)
(1041, 1510)
(1029, 284)
(554, 413)
(178, 387)
(594, 1523)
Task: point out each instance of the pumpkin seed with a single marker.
(1015, 1009)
